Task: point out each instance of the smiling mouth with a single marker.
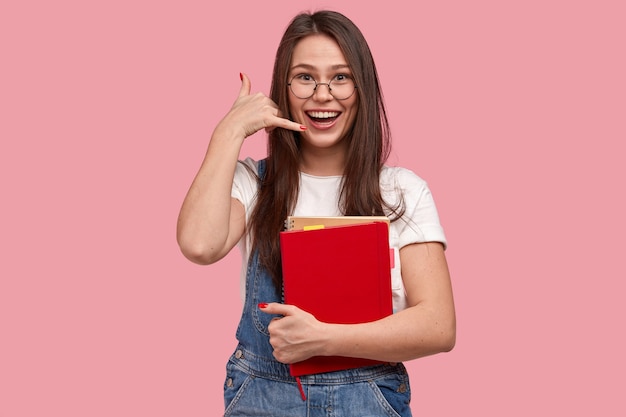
(323, 116)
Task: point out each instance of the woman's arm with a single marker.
(426, 327)
(210, 222)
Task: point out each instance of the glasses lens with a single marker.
(341, 87)
(302, 86)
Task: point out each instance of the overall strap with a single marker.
(261, 173)
(261, 168)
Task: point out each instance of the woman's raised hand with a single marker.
(253, 112)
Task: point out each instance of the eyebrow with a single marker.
(311, 67)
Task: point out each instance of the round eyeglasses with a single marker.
(341, 87)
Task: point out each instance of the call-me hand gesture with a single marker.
(253, 112)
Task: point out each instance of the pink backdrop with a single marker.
(514, 112)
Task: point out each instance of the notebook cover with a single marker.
(340, 274)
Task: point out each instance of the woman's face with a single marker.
(328, 120)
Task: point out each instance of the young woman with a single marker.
(328, 143)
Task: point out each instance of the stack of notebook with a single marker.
(339, 270)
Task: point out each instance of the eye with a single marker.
(342, 78)
(304, 78)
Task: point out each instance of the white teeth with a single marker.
(323, 114)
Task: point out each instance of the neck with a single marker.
(322, 162)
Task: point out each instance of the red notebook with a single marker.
(340, 274)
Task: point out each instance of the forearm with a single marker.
(427, 327)
(204, 221)
(409, 334)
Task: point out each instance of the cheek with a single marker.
(294, 111)
(352, 110)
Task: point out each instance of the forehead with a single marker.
(319, 52)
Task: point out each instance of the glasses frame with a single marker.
(330, 89)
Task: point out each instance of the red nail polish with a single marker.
(302, 127)
(262, 305)
(241, 76)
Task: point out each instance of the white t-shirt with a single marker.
(319, 196)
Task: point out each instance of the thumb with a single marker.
(245, 85)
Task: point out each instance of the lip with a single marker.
(323, 119)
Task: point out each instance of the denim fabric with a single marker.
(258, 385)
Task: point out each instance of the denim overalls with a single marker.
(258, 385)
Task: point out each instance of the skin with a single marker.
(426, 327)
(207, 239)
(323, 147)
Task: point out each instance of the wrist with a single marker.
(227, 132)
(331, 339)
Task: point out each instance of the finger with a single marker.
(246, 85)
(289, 125)
(285, 123)
(277, 308)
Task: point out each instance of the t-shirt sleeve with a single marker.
(420, 222)
(245, 183)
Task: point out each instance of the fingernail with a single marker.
(302, 127)
(262, 305)
(241, 76)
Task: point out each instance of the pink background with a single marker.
(514, 112)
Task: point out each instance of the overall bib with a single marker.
(258, 385)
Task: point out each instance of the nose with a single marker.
(322, 94)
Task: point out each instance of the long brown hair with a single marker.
(369, 140)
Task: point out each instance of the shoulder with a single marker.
(247, 166)
(245, 181)
(394, 178)
(420, 219)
